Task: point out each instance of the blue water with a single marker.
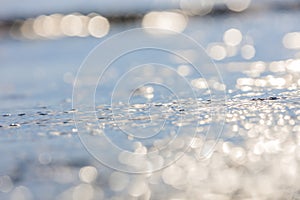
(43, 152)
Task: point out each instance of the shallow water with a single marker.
(257, 155)
(250, 149)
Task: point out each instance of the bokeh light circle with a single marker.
(138, 108)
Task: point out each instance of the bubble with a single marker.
(27, 29)
(248, 52)
(48, 26)
(232, 37)
(98, 26)
(217, 52)
(71, 25)
(183, 70)
(238, 5)
(199, 83)
(291, 40)
(38, 26)
(257, 68)
(173, 21)
(88, 174)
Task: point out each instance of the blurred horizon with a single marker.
(10, 10)
(24, 21)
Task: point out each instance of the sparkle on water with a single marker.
(257, 156)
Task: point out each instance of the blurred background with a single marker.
(42, 44)
(255, 44)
